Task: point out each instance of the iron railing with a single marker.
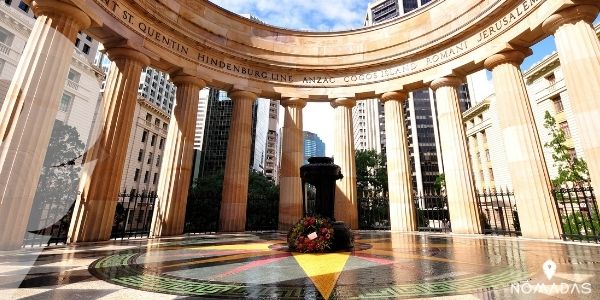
(262, 214)
(49, 232)
(203, 210)
(578, 211)
(133, 215)
(498, 212)
(373, 211)
(432, 212)
(202, 213)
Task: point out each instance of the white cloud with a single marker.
(316, 15)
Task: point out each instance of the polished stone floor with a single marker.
(382, 265)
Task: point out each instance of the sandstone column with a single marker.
(475, 163)
(28, 112)
(237, 166)
(402, 206)
(531, 183)
(462, 205)
(292, 157)
(94, 211)
(579, 52)
(486, 179)
(346, 197)
(175, 173)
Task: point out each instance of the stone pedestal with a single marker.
(462, 205)
(346, 198)
(525, 157)
(94, 211)
(235, 183)
(579, 52)
(292, 158)
(402, 206)
(29, 110)
(175, 172)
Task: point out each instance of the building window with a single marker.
(136, 177)
(148, 117)
(6, 37)
(2, 62)
(24, 7)
(152, 140)
(74, 76)
(155, 180)
(140, 155)
(65, 102)
(162, 143)
(8, 2)
(558, 105)
(158, 160)
(564, 126)
(149, 161)
(146, 176)
(86, 49)
(487, 154)
(551, 79)
(144, 136)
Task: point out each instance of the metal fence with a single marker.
(578, 211)
(202, 213)
(133, 215)
(432, 212)
(373, 211)
(498, 212)
(262, 214)
(53, 220)
(431, 208)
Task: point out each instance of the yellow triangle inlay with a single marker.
(323, 269)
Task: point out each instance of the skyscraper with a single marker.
(419, 111)
(219, 109)
(313, 146)
(216, 132)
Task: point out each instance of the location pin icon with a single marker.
(549, 268)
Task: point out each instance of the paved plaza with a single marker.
(382, 265)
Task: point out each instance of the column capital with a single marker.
(129, 53)
(183, 78)
(239, 95)
(293, 102)
(346, 102)
(60, 9)
(572, 14)
(451, 81)
(394, 96)
(514, 57)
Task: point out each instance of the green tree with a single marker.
(440, 183)
(570, 169)
(371, 171)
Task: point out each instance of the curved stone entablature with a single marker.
(231, 52)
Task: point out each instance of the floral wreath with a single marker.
(311, 234)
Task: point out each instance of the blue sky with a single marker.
(315, 15)
(328, 15)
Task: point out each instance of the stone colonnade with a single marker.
(31, 105)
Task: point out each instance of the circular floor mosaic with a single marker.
(245, 266)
